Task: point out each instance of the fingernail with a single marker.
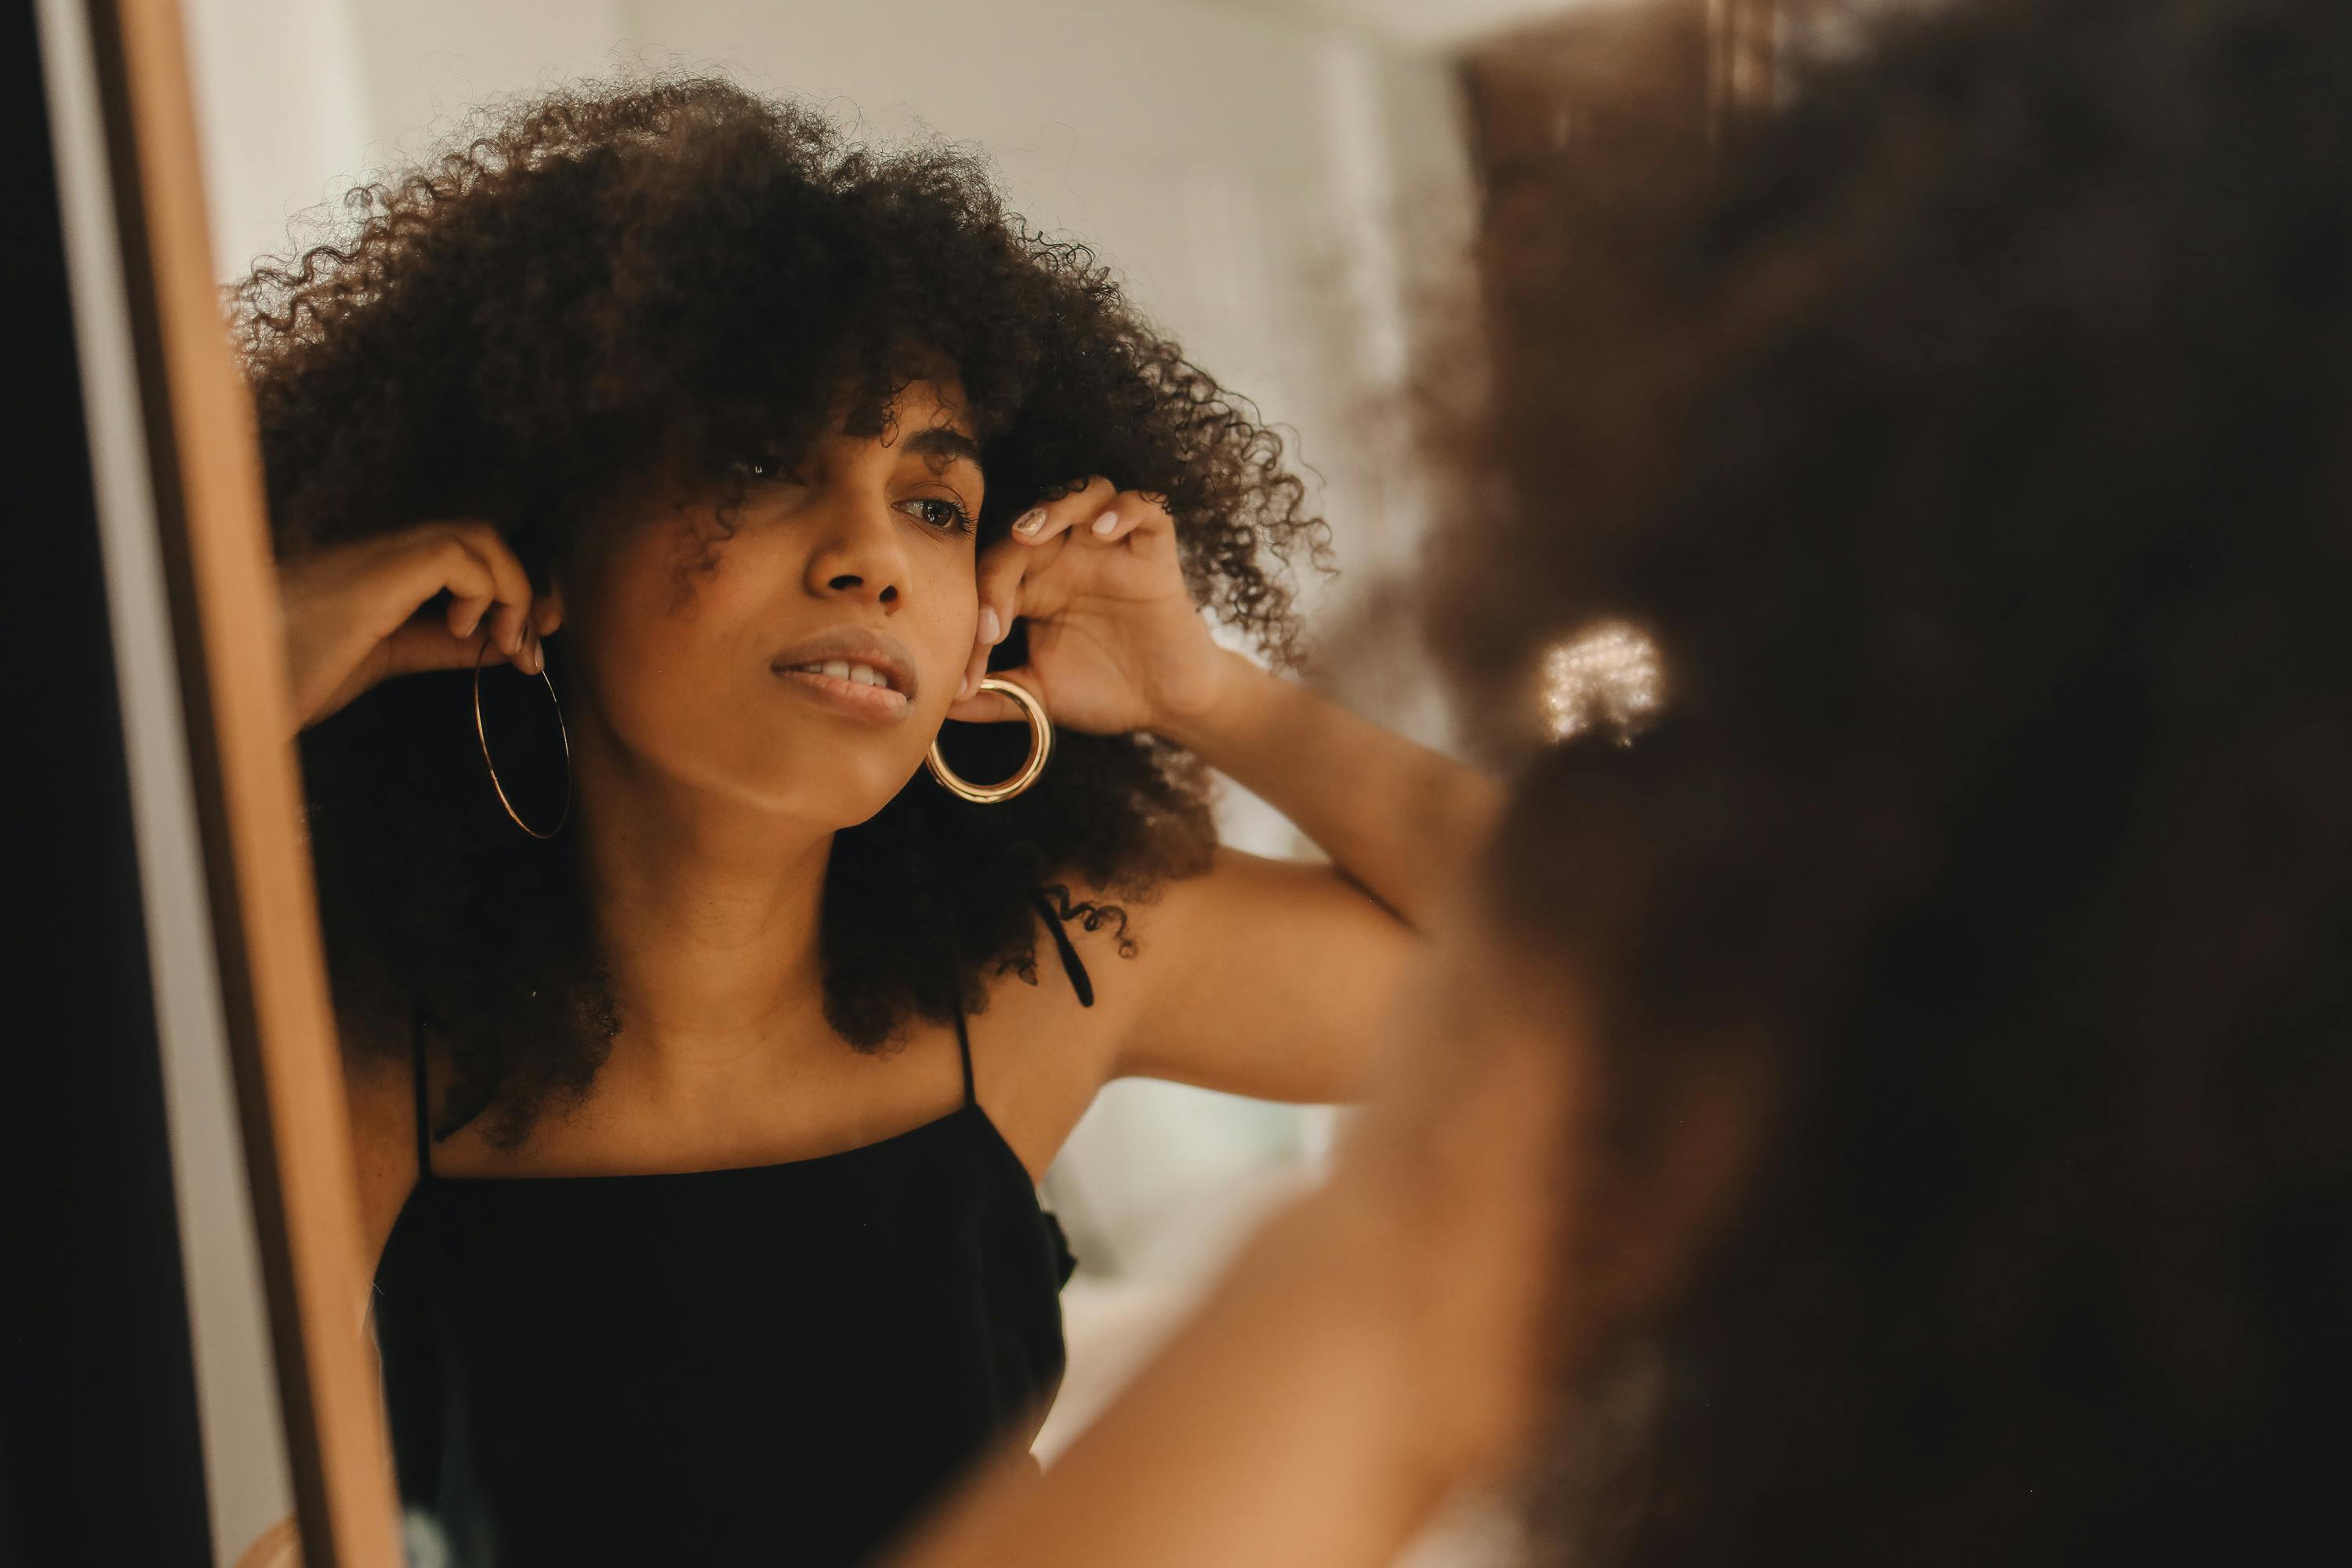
(1030, 522)
(963, 687)
(538, 656)
(990, 628)
(1106, 522)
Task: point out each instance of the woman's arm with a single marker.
(1260, 977)
(1271, 975)
(1267, 978)
(383, 1102)
(437, 596)
(1398, 818)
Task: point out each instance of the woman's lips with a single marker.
(875, 704)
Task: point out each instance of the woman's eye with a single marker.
(944, 515)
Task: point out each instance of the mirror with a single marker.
(562, 1085)
(242, 1053)
(714, 883)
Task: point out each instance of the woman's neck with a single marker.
(709, 913)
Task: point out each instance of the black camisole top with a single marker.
(778, 1365)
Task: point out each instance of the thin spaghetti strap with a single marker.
(1080, 981)
(424, 1119)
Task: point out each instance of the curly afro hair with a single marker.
(1971, 435)
(592, 286)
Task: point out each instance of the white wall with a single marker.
(1245, 168)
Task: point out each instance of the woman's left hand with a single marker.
(1115, 640)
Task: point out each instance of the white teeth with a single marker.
(842, 670)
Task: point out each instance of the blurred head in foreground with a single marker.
(1965, 943)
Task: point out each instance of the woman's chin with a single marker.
(857, 782)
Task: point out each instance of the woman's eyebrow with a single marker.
(943, 443)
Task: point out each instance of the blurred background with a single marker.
(1287, 186)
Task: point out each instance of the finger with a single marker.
(426, 645)
(513, 581)
(452, 561)
(998, 583)
(443, 560)
(510, 585)
(507, 628)
(1049, 520)
(974, 668)
(1125, 512)
(466, 610)
(993, 707)
(544, 616)
(530, 658)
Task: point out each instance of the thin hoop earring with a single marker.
(1041, 746)
(560, 734)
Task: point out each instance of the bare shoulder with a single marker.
(1119, 940)
(1241, 898)
(1136, 950)
(1106, 957)
(1262, 977)
(1050, 1035)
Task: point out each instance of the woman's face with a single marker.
(802, 663)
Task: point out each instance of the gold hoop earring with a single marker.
(561, 734)
(1041, 746)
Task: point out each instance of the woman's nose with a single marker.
(860, 557)
(851, 583)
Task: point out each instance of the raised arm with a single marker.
(1260, 977)
(1401, 821)
(436, 595)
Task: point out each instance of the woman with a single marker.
(706, 1220)
(1945, 1045)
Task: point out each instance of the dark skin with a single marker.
(706, 830)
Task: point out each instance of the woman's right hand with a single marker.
(356, 613)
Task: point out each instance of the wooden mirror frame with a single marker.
(204, 469)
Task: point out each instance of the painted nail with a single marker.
(538, 657)
(1106, 522)
(1030, 522)
(992, 630)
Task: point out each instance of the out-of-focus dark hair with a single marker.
(1973, 433)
